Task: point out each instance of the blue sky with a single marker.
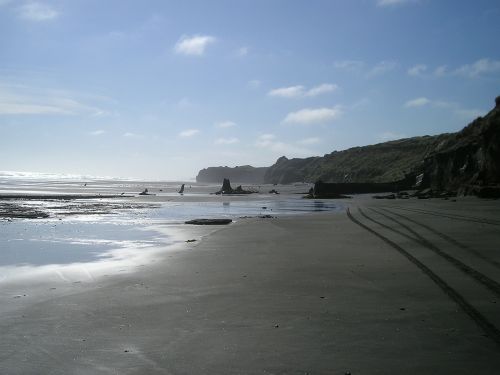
(161, 89)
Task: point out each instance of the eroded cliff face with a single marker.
(469, 161)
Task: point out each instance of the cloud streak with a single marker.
(309, 116)
(25, 100)
(188, 133)
(37, 11)
(193, 45)
(288, 92)
(418, 102)
(300, 91)
(324, 88)
(479, 67)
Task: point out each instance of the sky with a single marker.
(161, 89)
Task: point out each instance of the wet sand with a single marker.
(401, 286)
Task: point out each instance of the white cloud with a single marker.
(309, 141)
(479, 67)
(322, 89)
(98, 132)
(299, 91)
(225, 124)
(37, 11)
(384, 3)
(313, 115)
(188, 133)
(417, 70)
(288, 92)
(226, 141)
(193, 45)
(418, 102)
(382, 68)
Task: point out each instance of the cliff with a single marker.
(243, 174)
(468, 162)
(383, 162)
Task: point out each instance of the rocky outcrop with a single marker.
(244, 174)
(226, 189)
(468, 162)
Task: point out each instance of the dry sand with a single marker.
(313, 294)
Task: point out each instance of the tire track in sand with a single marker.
(487, 282)
(488, 328)
(451, 240)
(473, 219)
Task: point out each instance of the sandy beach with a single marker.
(404, 286)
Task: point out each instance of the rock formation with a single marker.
(226, 189)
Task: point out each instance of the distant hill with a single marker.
(244, 174)
(467, 160)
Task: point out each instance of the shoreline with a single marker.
(313, 294)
